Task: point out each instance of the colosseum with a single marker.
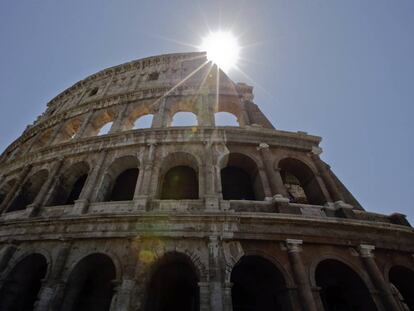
(108, 202)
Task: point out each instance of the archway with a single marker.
(300, 182)
(143, 122)
(403, 279)
(223, 118)
(184, 118)
(90, 285)
(240, 179)
(70, 184)
(22, 285)
(342, 288)
(173, 285)
(124, 187)
(258, 286)
(29, 191)
(180, 183)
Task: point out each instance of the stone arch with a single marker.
(232, 107)
(240, 178)
(179, 176)
(342, 286)
(401, 279)
(99, 121)
(70, 184)
(43, 140)
(301, 182)
(23, 282)
(173, 283)
(136, 113)
(120, 179)
(258, 284)
(90, 284)
(224, 118)
(29, 191)
(69, 130)
(188, 106)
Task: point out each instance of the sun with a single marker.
(222, 49)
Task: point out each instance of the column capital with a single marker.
(293, 245)
(366, 250)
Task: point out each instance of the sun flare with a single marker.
(222, 49)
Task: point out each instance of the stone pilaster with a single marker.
(204, 296)
(275, 180)
(85, 123)
(82, 203)
(15, 190)
(300, 275)
(6, 253)
(227, 299)
(34, 208)
(120, 118)
(215, 274)
(385, 293)
(121, 299)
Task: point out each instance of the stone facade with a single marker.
(200, 217)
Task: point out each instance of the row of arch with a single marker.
(178, 180)
(104, 122)
(173, 284)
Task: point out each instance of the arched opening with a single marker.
(29, 191)
(120, 180)
(124, 187)
(300, 182)
(43, 140)
(226, 119)
(143, 122)
(22, 285)
(69, 131)
(90, 285)
(173, 285)
(105, 129)
(402, 280)
(258, 286)
(342, 288)
(70, 184)
(240, 179)
(184, 118)
(180, 183)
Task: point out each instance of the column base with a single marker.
(140, 203)
(211, 203)
(80, 207)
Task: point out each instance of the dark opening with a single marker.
(124, 187)
(93, 91)
(180, 183)
(342, 288)
(90, 286)
(236, 184)
(300, 182)
(28, 192)
(403, 279)
(258, 286)
(173, 287)
(76, 189)
(153, 76)
(22, 285)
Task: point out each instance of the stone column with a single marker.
(204, 111)
(147, 167)
(215, 275)
(385, 293)
(227, 299)
(34, 208)
(121, 299)
(211, 197)
(82, 203)
(299, 274)
(51, 292)
(15, 190)
(84, 125)
(244, 118)
(275, 180)
(117, 125)
(327, 178)
(6, 254)
(204, 296)
(159, 115)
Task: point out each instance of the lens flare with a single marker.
(222, 49)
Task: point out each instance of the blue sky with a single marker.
(343, 70)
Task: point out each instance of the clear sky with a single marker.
(343, 70)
